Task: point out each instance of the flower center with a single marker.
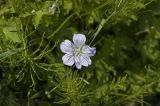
(78, 51)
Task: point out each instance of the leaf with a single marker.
(38, 17)
(6, 10)
(12, 29)
(9, 53)
(68, 5)
(11, 34)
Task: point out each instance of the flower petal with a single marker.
(78, 62)
(68, 59)
(85, 60)
(79, 39)
(91, 51)
(67, 47)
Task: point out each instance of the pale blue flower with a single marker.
(78, 52)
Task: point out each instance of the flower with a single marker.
(78, 52)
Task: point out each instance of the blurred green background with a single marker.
(125, 70)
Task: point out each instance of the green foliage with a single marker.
(124, 72)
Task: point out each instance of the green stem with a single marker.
(61, 26)
(103, 21)
(101, 26)
(97, 8)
